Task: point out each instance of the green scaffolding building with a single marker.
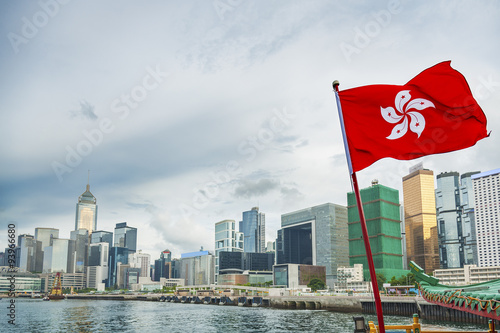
(382, 214)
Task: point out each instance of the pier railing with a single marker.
(417, 328)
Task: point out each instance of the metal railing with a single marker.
(417, 328)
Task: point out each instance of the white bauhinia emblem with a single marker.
(402, 115)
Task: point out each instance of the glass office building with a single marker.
(253, 227)
(125, 236)
(315, 236)
(420, 219)
(226, 239)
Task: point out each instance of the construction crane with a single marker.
(56, 291)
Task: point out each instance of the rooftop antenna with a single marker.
(88, 180)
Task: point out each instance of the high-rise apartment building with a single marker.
(142, 261)
(487, 211)
(420, 219)
(86, 211)
(226, 239)
(382, 214)
(455, 219)
(315, 236)
(253, 227)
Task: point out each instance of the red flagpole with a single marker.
(366, 240)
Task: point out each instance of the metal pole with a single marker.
(366, 240)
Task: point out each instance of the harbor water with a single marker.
(35, 315)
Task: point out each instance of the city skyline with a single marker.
(187, 113)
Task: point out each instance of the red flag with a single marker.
(433, 113)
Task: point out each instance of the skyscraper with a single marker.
(97, 270)
(420, 219)
(59, 256)
(31, 255)
(86, 211)
(81, 238)
(102, 236)
(487, 210)
(163, 266)
(45, 235)
(226, 239)
(455, 220)
(125, 236)
(253, 227)
(315, 236)
(467, 206)
(381, 208)
(140, 260)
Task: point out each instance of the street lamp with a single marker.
(359, 325)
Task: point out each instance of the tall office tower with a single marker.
(30, 253)
(403, 237)
(117, 256)
(487, 208)
(98, 265)
(455, 219)
(253, 227)
(86, 211)
(468, 218)
(59, 256)
(381, 208)
(45, 235)
(315, 236)
(140, 260)
(197, 268)
(125, 236)
(420, 219)
(226, 239)
(100, 236)
(80, 256)
(163, 267)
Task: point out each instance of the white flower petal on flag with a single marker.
(401, 99)
(390, 115)
(420, 104)
(399, 130)
(417, 122)
(415, 119)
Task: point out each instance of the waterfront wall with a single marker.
(394, 305)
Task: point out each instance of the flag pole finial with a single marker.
(335, 85)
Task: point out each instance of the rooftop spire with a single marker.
(88, 181)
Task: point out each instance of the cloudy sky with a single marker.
(187, 113)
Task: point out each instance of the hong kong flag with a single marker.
(433, 113)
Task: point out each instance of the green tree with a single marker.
(381, 280)
(316, 284)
